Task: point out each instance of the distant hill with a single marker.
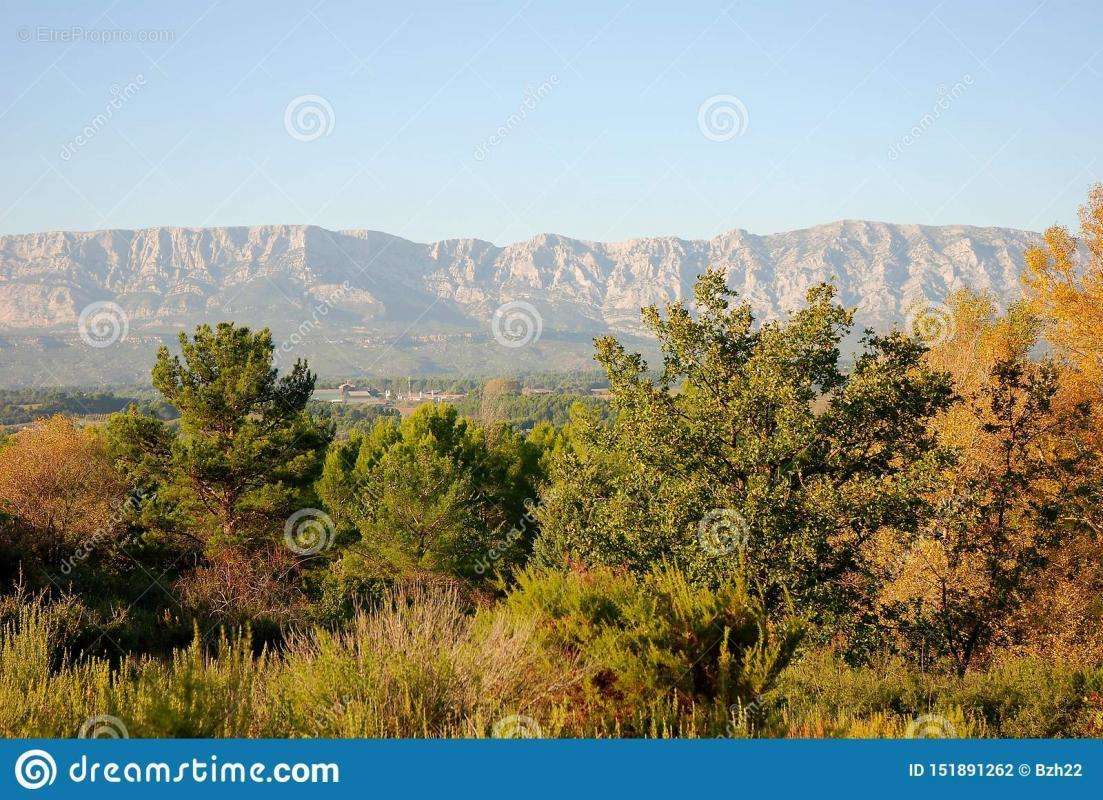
(365, 302)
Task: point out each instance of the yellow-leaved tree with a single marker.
(1064, 287)
(60, 493)
(958, 587)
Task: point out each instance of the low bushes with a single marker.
(419, 666)
(1016, 697)
(589, 654)
(656, 639)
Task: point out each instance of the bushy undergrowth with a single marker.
(656, 640)
(567, 654)
(1015, 697)
(419, 666)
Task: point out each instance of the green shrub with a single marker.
(42, 690)
(644, 639)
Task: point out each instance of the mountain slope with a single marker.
(362, 289)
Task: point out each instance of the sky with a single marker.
(602, 121)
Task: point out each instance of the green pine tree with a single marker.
(246, 450)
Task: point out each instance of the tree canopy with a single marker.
(753, 449)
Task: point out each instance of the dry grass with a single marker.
(425, 666)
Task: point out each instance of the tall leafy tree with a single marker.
(754, 449)
(1064, 288)
(997, 520)
(994, 550)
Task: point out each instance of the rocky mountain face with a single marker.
(370, 283)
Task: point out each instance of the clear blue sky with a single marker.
(835, 96)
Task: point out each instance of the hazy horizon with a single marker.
(502, 244)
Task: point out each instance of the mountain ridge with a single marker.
(374, 285)
(745, 231)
